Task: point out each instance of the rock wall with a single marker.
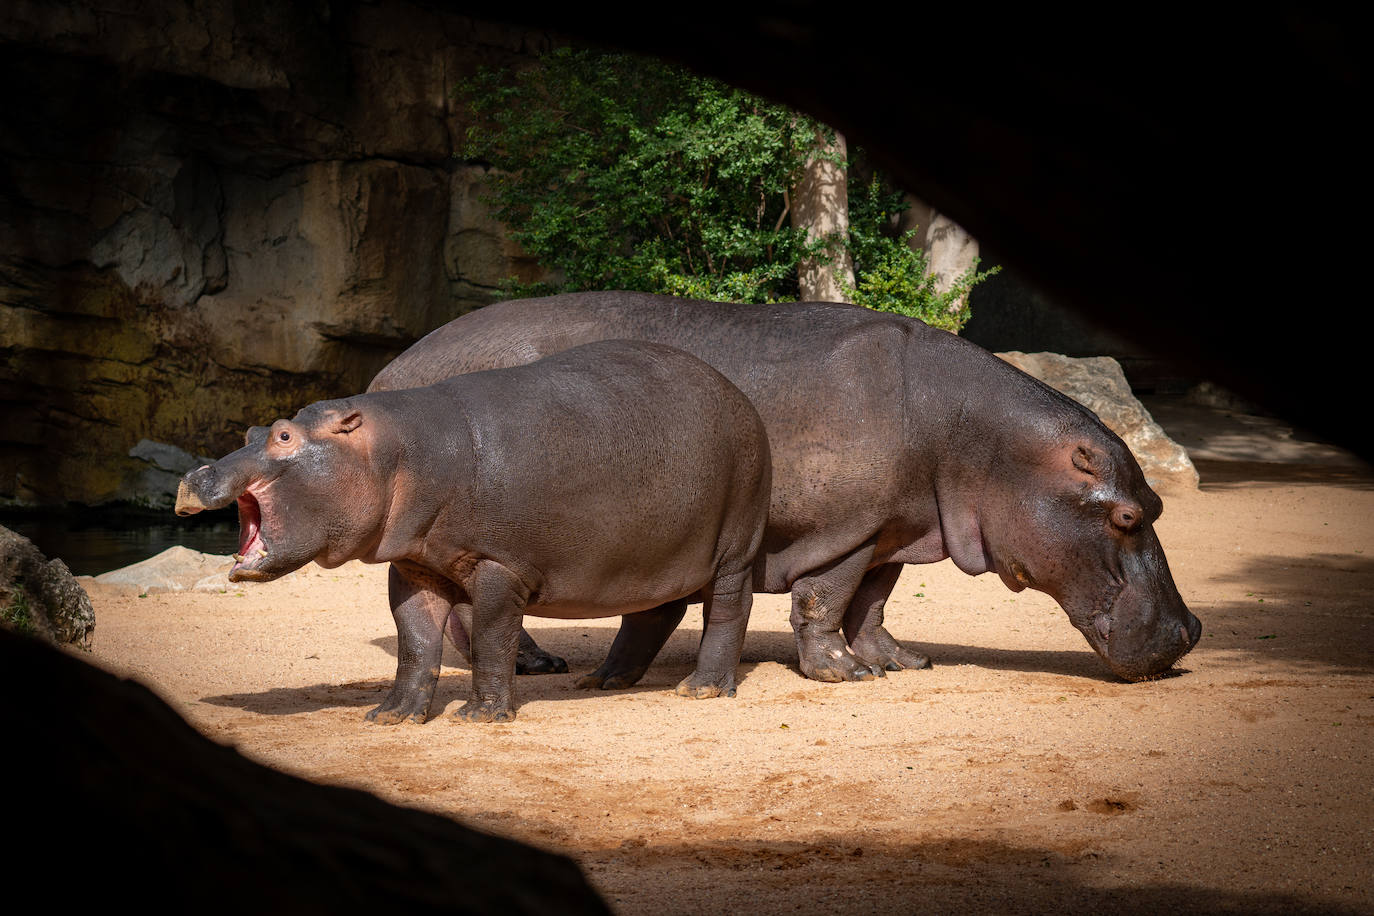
(214, 212)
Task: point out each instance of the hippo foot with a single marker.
(703, 687)
(879, 649)
(485, 711)
(604, 678)
(395, 711)
(539, 662)
(827, 658)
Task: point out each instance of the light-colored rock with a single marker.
(176, 569)
(40, 597)
(1098, 383)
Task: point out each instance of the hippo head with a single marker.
(1081, 529)
(306, 488)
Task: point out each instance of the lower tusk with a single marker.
(238, 558)
(261, 553)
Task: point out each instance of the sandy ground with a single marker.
(1016, 776)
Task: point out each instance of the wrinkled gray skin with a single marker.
(613, 478)
(892, 443)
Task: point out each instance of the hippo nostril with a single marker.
(1192, 632)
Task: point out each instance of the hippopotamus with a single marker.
(608, 479)
(892, 443)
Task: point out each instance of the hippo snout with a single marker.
(1137, 651)
(205, 488)
(188, 499)
(1191, 631)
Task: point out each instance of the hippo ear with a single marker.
(1087, 460)
(349, 422)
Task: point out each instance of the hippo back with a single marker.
(829, 380)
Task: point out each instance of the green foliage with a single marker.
(619, 172)
(891, 275)
(17, 615)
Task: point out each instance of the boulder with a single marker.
(176, 569)
(40, 597)
(1098, 383)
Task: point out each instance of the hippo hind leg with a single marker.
(726, 612)
(640, 638)
(819, 602)
(863, 623)
(529, 659)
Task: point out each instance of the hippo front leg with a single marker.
(863, 623)
(726, 617)
(819, 602)
(420, 603)
(498, 605)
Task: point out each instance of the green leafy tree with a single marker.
(620, 172)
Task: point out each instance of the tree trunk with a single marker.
(950, 251)
(820, 205)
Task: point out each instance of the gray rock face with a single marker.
(213, 213)
(166, 465)
(40, 597)
(1098, 383)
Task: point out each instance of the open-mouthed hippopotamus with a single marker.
(609, 479)
(892, 443)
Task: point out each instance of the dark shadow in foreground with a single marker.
(840, 874)
(163, 818)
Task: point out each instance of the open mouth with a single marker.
(252, 550)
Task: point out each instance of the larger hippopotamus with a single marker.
(613, 478)
(892, 443)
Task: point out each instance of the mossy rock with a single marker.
(40, 597)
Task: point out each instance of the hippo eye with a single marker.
(284, 436)
(1125, 517)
